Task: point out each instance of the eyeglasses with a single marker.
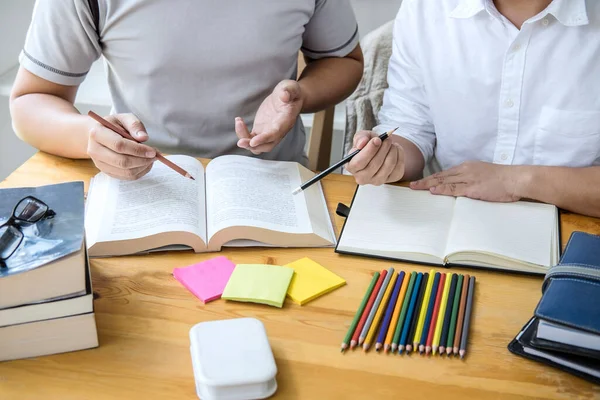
(28, 210)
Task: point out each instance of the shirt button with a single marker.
(545, 22)
(509, 103)
(503, 156)
(517, 47)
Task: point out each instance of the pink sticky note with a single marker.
(206, 280)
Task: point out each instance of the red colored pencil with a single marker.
(436, 310)
(365, 314)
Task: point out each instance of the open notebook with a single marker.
(402, 224)
(236, 201)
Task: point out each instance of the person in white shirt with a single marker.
(504, 93)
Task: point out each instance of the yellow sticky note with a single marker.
(311, 280)
(258, 283)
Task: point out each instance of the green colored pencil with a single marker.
(359, 312)
(400, 324)
(454, 316)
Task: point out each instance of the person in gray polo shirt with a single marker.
(203, 78)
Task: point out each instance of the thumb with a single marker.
(134, 126)
(289, 92)
(361, 139)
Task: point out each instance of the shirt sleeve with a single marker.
(62, 42)
(404, 101)
(332, 31)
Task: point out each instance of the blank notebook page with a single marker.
(398, 219)
(521, 230)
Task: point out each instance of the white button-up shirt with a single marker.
(466, 84)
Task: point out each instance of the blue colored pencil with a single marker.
(436, 281)
(409, 313)
(449, 305)
(383, 329)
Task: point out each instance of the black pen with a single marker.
(335, 166)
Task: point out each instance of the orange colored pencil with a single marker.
(461, 314)
(436, 310)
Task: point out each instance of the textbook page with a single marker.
(161, 201)
(390, 221)
(522, 230)
(244, 191)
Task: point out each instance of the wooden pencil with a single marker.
(455, 305)
(436, 310)
(400, 324)
(383, 330)
(124, 134)
(461, 314)
(465, 331)
(396, 315)
(429, 314)
(441, 314)
(423, 310)
(373, 311)
(372, 332)
(359, 312)
(446, 323)
(410, 312)
(416, 313)
(363, 318)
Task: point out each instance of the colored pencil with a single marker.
(465, 331)
(400, 324)
(410, 312)
(415, 315)
(436, 310)
(383, 330)
(455, 305)
(394, 322)
(125, 135)
(446, 324)
(359, 312)
(380, 310)
(441, 314)
(461, 314)
(423, 310)
(363, 318)
(373, 310)
(429, 314)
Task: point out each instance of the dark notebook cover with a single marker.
(48, 239)
(588, 369)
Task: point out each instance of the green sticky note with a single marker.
(259, 283)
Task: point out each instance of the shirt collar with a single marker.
(567, 12)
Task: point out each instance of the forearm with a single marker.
(573, 189)
(328, 81)
(51, 124)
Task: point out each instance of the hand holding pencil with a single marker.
(116, 149)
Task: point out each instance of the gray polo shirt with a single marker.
(187, 68)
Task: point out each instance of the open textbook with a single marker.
(236, 201)
(403, 224)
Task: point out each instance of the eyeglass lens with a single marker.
(10, 238)
(30, 210)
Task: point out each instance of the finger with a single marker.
(265, 138)
(132, 125)
(241, 129)
(387, 168)
(124, 174)
(377, 162)
(449, 176)
(263, 148)
(288, 91)
(362, 159)
(361, 139)
(118, 144)
(121, 161)
(450, 189)
(244, 143)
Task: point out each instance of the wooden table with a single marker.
(144, 316)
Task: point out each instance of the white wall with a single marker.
(14, 20)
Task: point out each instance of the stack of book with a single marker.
(565, 330)
(46, 298)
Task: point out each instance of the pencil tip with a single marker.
(462, 354)
(297, 190)
(192, 178)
